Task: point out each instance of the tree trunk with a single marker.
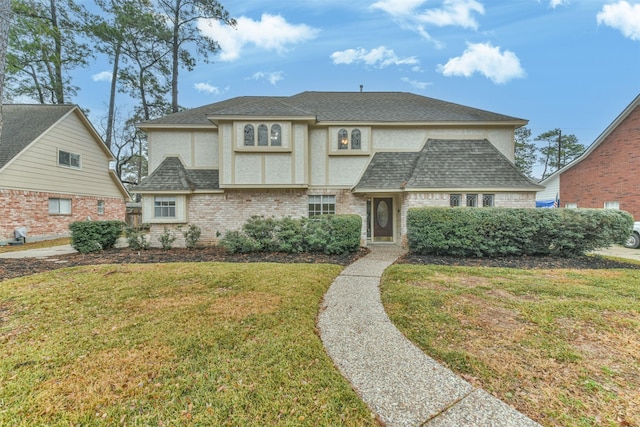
(5, 21)
(175, 58)
(58, 86)
(112, 95)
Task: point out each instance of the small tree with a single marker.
(559, 150)
(525, 151)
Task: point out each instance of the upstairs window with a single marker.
(344, 143)
(263, 136)
(67, 159)
(267, 136)
(343, 139)
(355, 139)
(276, 136)
(249, 132)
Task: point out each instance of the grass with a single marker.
(36, 245)
(562, 346)
(170, 344)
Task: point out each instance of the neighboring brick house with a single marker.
(606, 174)
(375, 154)
(54, 169)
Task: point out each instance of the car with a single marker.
(633, 241)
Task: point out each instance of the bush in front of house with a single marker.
(329, 234)
(495, 232)
(90, 236)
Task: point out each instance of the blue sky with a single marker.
(568, 64)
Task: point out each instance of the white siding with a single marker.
(552, 188)
(37, 169)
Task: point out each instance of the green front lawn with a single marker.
(562, 346)
(170, 344)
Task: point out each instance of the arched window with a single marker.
(263, 135)
(343, 139)
(249, 135)
(355, 139)
(276, 136)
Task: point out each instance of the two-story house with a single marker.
(374, 154)
(54, 170)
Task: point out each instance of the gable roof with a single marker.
(22, 124)
(599, 140)
(361, 107)
(171, 175)
(444, 164)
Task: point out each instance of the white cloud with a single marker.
(415, 83)
(379, 57)
(272, 78)
(457, 13)
(104, 76)
(555, 3)
(272, 33)
(206, 87)
(486, 60)
(623, 17)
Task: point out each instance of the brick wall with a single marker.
(217, 213)
(609, 173)
(30, 209)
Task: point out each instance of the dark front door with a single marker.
(383, 220)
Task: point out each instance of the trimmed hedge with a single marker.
(494, 232)
(90, 236)
(329, 234)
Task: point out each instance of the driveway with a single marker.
(620, 252)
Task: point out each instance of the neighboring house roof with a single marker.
(362, 107)
(171, 175)
(444, 164)
(599, 140)
(23, 124)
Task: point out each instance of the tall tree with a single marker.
(127, 32)
(44, 48)
(5, 23)
(182, 17)
(525, 151)
(558, 150)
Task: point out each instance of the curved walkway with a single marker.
(401, 384)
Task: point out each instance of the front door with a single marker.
(383, 220)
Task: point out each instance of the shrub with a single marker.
(136, 238)
(191, 236)
(493, 232)
(166, 239)
(90, 236)
(330, 234)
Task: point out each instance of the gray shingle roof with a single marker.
(459, 164)
(171, 175)
(382, 107)
(23, 123)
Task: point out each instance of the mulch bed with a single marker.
(10, 268)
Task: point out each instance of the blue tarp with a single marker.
(545, 203)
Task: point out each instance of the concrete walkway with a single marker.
(40, 252)
(402, 385)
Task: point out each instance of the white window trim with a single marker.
(325, 199)
(148, 209)
(57, 204)
(71, 156)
